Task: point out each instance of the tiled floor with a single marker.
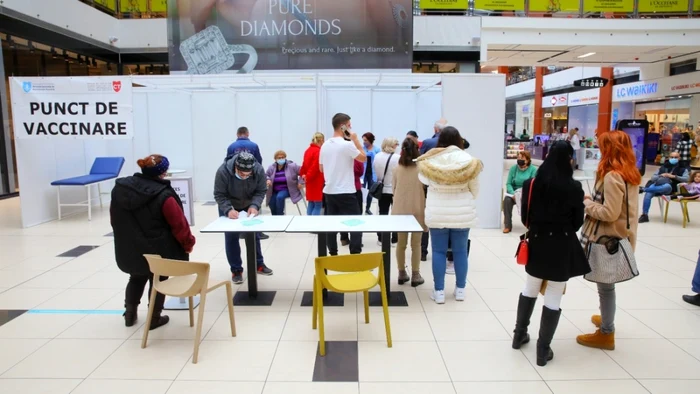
(72, 338)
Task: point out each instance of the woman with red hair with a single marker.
(612, 213)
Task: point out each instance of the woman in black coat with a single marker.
(553, 212)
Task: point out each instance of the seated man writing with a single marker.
(663, 183)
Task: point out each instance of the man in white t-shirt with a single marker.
(336, 162)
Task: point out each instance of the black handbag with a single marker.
(377, 188)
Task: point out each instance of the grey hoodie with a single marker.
(233, 193)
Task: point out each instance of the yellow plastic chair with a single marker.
(187, 279)
(684, 208)
(356, 277)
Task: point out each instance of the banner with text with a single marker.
(444, 4)
(72, 107)
(678, 6)
(500, 5)
(555, 5)
(213, 37)
(608, 5)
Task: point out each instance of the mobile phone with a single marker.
(345, 130)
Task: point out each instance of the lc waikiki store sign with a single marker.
(658, 88)
(72, 108)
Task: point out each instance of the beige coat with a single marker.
(613, 212)
(409, 197)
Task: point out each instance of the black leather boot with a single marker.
(131, 314)
(548, 326)
(158, 320)
(525, 307)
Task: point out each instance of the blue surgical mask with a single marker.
(281, 161)
(673, 161)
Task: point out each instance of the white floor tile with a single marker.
(102, 327)
(495, 280)
(12, 278)
(113, 386)
(250, 326)
(17, 298)
(486, 361)
(31, 325)
(404, 327)
(407, 388)
(670, 324)
(573, 361)
(502, 388)
(466, 326)
(668, 361)
(178, 328)
(294, 362)
(565, 330)
(501, 299)
(671, 386)
(338, 327)
(692, 346)
(311, 388)
(231, 360)
(38, 386)
(471, 303)
(417, 361)
(160, 360)
(626, 325)
(55, 280)
(203, 387)
(639, 298)
(64, 358)
(104, 280)
(79, 299)
(15, 350)
(596, 386)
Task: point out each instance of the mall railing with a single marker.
(131, 8)
(561, 8)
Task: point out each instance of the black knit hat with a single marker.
(245, 162)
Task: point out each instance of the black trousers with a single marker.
(425, 238)
(385, 203)
(135, 287)
(358, 195)
(343, 204)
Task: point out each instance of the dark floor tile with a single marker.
(340, 364)
(78, 251)
(209, 203)
(7, 315)
(264, 298)
(332, 299)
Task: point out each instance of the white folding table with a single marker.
(250, 226)
(384, 224)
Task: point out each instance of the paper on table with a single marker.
(244, 215)
(353, 222)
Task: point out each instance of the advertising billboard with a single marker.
(239, 36)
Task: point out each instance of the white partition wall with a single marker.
(475, 105)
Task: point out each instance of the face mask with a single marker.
(240, 177)
(281, 161)
(673, 161)
(521, 162)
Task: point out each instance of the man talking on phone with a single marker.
(336, 160)
(240, 186)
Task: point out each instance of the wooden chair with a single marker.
(356, 277)
(187, 279)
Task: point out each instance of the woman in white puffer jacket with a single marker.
(452, 176)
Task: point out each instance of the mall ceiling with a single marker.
(594, 56)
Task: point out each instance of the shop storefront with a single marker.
(583, 112)
(555, 114)
(524, 116)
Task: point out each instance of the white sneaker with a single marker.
(450, 268)
(438, 296)
(459, 294)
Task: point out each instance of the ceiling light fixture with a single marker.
(586, 55)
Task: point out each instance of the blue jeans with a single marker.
(233, 250)
(277, 202)
(653, 191)
(458, 239)
(313, 208)
(696, 277)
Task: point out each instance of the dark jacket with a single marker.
(136, 213)
(681, 173)
(243, 144)
(429, 144)
(233, 193)
(555, 217)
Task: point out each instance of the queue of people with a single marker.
(148, 218)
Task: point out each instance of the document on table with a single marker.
(248, 220)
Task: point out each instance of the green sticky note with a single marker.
(353, 222)
(252, 222)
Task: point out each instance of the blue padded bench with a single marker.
(103, 169)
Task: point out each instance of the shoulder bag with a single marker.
(377, 188)
(611, 258)
(523, 251)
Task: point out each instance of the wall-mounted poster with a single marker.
(444, 4)
(239, 36)
(555, 5)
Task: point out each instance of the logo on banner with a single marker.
(117, 86)
(554, 101)
(27, 87)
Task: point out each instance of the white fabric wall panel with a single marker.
(356, 103)
(213, 129)
(393, 114)
(260, 112)
(36, 167)
(428, 111)
(141, 145)
(170, 128)
(480, 119)
(298, 109)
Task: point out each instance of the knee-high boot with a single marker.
(548, 326)
(525, 307)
